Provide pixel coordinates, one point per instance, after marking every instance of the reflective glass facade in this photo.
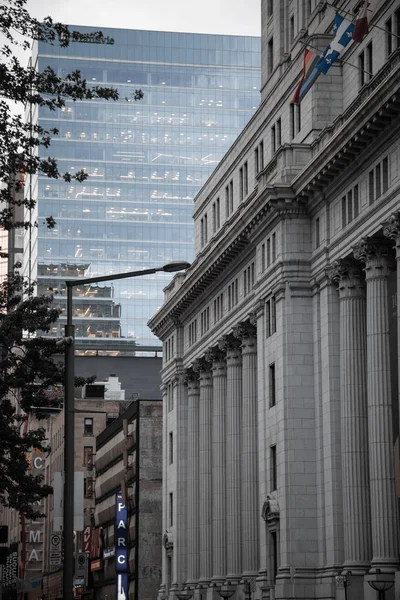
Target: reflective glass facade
(146, 161)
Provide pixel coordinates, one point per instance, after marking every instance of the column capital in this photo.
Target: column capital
(231, 345)
(391, 229)
(377, 256)
(190, 377)
(215, 355)
(178, 378)
(203, 368)
(245, 329)
(350, 277)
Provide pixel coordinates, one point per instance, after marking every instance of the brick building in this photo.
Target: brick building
(280, 372)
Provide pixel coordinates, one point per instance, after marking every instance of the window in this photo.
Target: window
(192, 332)
(261, 155)
(273, 139)
(273, 482)
(205, 229)
(389, 37)
(171, 509)
(88, 426)
(355, 196)
(231, 196)
(88, 487)
(274, 553)
(205, 320)
(270, 56)
(297, 109)
(214, 216)
(369, 61)
(291, 28)
(317, 233)
(171, 448)
(349, 206)
(385, 174)
(262, 258)
(243, 181)
(233, 294)
(361, 68)
(377, 181)
(227, 204)
(218, 307)
(291, 121)
(272, 386)
(397, 28)
(273, 247)
(279, 133)
(371, 187)
(87, 456)
(268, 252)
(270, 7)
(270, 316)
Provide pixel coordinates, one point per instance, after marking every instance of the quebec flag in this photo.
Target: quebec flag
(343, 31)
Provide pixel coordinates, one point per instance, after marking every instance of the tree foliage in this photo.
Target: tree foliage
(21, 140)
(27, 368)
(27, 373)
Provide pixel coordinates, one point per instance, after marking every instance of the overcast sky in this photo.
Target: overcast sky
(234, 17)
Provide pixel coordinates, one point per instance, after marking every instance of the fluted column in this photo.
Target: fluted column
(378, 264)
(233, 454)
(247, 334)
(354, 414)
(205, 468)
(193, 528)
(217, 358)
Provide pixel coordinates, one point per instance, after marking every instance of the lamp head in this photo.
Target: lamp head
(175, 265)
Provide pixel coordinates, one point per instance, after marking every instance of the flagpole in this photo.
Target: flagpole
(371, 25)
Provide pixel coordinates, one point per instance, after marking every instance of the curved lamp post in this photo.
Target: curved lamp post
(184, 594)
(69, 420)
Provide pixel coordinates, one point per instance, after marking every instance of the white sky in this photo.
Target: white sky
(233, 17)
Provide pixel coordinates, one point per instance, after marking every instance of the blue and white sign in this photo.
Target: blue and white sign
(121, 547)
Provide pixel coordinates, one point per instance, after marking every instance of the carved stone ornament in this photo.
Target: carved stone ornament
(213, 355)
(270, 510)
(168, 542)
(190, 376)
(369, 249)
(244, 330)
(201, 364)
(391, 227)
(344, 269)
(229, 343)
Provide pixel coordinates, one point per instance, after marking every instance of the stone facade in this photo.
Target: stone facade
(281, 409)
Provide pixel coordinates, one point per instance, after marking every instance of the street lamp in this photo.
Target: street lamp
(184, 594)
(69, 423)
(226, 591)
(381, 582)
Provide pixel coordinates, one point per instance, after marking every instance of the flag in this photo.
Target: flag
(308, 77)
(343, 31)
(361, 26)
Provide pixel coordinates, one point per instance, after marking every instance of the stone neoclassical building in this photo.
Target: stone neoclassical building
(280, 370)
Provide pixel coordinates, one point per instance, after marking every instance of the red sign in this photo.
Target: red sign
(95, 565)
(87, 538)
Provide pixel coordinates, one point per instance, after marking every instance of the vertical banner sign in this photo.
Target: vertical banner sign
(87, 538)
(121, 547)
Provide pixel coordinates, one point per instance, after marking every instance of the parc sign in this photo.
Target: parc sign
(121, 547)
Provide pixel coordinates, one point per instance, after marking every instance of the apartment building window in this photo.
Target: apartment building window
(272, 386)
(171, 509)
(171, 448)
(273, 467)
(270, 56)
(389, 37)
(88, 426)
(87, 455)
(317, 233)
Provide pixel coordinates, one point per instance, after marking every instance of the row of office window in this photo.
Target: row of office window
(268, 252)
(378, 180)
(248, 279)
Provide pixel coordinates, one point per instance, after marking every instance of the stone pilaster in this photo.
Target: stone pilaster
(377, 257)
(247, 334)
(164, 582)
(193, 516)
(354, 415)
(217, 359)
(205, 468)
(233, 455)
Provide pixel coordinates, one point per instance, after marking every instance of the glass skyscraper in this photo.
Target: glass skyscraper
(146, 161)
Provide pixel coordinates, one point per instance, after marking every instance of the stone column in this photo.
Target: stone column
(377, 257)
(247, 334)
(354, 415)
(217, 358)
(203, 367)
(233, 455)
(164, 583)
(192, 476)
